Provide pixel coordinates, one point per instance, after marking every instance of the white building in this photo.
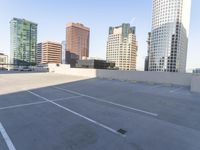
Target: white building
(122, 47)
(169, 38)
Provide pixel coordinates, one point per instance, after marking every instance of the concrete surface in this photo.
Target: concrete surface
(85, 114)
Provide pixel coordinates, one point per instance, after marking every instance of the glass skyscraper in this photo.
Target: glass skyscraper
(23, 42)
(169, 35)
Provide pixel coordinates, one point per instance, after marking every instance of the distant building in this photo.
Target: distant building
(122, 47)
(196, 71)
(3, 61)
(169, 35)
(77, 40)
(23, 41)
(39, 54)
(96, 64)
(146, 64)
(63, 55)
(51, 52)
(3, 58)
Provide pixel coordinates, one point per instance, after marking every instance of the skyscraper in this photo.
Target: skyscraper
(23, 40)
(77, 39)
(51, 52)
(169, 38)
(122, 47)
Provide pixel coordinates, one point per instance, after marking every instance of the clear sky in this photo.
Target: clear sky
(52, 16)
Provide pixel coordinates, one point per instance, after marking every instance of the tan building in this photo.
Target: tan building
(51, 52)
(122, 47)
(77, 39)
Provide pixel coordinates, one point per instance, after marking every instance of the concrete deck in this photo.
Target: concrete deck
(45, 111)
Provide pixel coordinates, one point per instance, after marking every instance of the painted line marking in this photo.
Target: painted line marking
(77, 114)
(6, 138)
(176, 90)
(36, 103)
(66, 98)
(108, 102)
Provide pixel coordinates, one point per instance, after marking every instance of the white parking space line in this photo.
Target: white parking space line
(79, 115)
(108, 102)
(6, 138)
(176, 90)
(37, 103)
(65, 98)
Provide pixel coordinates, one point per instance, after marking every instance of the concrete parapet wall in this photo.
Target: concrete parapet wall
(82, 72)
(182, 79)
(195, 84)
(150, 77)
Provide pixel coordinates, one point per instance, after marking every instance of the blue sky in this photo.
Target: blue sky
(52, 16)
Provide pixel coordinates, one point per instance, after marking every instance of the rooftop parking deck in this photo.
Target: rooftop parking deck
(47, 111)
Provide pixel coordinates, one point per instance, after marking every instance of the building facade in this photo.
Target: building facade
(196, 71)
(63, 55)
(51, 52)
(23, 41)
(169, 36)
(122, 47)
(39, 54)
(146, 63)
(95, 64)
(77, 39)
(3, 61)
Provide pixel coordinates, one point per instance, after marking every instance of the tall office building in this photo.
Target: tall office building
(77, 40)
(23, 41)
(51, 52)
(122, 47)
(63, 55)
(39, 54)
(169, 38)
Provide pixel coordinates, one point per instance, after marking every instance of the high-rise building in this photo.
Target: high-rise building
(23, 41)
(77, 40)
(39, 54)
(63, 55)
(51, 52)
(122, 47)
(146, 63)
(169, 36)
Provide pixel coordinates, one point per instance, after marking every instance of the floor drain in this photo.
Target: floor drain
(122, 131)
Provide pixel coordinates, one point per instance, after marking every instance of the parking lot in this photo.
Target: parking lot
(46, 111)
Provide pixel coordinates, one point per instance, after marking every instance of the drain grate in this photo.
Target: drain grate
(122, 131)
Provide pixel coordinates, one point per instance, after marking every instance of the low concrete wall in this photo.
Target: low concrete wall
(65, 69)
(150, 77)
(58, 68)
(195, 84)
(182, 79)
